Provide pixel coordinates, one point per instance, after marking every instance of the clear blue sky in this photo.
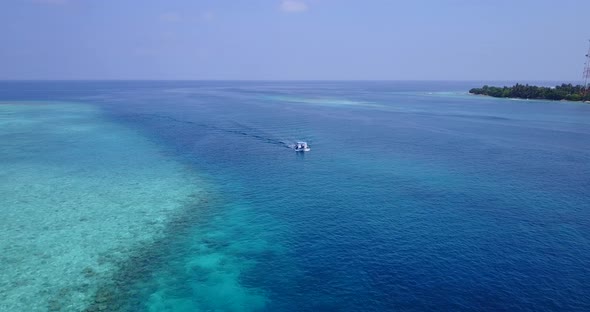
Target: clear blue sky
(294, 39)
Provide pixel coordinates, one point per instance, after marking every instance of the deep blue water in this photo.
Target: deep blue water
(415, 196)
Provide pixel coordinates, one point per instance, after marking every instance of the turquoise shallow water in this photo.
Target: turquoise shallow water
(185, 196)
(78, 194)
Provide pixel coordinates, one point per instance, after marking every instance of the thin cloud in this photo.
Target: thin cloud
(174, 17)
(51, 2)
(293, 6)
(207, 16)
(170, 17)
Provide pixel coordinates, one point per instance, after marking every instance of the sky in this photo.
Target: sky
(294, 39)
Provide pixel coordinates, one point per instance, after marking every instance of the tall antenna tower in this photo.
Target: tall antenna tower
(586, 74)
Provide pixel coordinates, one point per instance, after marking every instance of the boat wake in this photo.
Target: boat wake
(236, 129)
(258, 134)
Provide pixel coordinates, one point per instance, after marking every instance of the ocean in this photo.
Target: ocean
(188, 196)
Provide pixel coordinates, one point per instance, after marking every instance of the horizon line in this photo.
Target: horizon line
(285, 80)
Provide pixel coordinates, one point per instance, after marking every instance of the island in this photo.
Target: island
(564, 91)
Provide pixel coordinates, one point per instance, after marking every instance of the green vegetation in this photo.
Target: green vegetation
(563, 92)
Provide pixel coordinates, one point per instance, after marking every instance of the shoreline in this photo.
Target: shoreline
(523, 99)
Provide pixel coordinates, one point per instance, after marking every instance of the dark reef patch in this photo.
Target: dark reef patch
(120, 292)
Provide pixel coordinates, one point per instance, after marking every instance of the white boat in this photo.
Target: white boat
(302, 147)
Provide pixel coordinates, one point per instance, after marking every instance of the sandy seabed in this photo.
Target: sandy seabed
(78, 194)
